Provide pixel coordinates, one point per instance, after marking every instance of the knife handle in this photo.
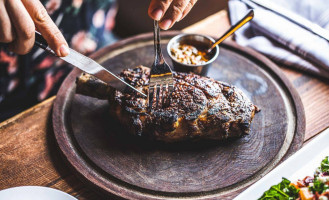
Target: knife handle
(42, 43)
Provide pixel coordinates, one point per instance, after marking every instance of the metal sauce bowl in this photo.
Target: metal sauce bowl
(201, 42)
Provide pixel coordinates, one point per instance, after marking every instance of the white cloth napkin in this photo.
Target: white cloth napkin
(282, 40)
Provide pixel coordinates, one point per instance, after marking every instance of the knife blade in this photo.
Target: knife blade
(89, 66)
(295, 18)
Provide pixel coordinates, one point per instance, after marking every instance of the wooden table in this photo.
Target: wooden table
(28, 151)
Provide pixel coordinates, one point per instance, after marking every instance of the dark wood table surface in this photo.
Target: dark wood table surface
(28, 151)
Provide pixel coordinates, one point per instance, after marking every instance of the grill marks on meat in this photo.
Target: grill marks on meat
(199, 107)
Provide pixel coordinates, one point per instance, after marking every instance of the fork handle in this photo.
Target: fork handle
(157, 45)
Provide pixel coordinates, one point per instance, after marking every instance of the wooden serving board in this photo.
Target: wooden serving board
(104, 156)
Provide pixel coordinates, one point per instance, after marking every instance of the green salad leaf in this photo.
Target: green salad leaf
(281, 191)
(325, 165)
(319, 187)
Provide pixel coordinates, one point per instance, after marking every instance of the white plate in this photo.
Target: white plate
(303, 163)
(34, 193)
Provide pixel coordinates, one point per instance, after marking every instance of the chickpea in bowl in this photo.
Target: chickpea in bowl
(188, 53)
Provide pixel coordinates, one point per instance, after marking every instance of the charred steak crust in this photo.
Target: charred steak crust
(199, 107)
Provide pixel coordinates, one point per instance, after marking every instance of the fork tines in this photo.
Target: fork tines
(160, 91)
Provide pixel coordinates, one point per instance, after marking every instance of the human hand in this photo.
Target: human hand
(169, 11)
(18, 21)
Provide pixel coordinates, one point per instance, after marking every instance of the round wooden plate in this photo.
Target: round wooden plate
(104, 156)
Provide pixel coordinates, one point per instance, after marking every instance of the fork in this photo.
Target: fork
(161, 80)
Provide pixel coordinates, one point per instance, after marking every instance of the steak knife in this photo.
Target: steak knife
(89, 66)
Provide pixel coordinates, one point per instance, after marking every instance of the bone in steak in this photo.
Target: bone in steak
(199, 107)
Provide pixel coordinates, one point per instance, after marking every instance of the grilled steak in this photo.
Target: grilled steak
(199, 107)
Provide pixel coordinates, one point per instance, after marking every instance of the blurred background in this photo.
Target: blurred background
(127, 24)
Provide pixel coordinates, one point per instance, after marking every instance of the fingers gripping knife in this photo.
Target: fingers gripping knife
(89, 66)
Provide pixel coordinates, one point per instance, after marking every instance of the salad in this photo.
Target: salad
(310, 188)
